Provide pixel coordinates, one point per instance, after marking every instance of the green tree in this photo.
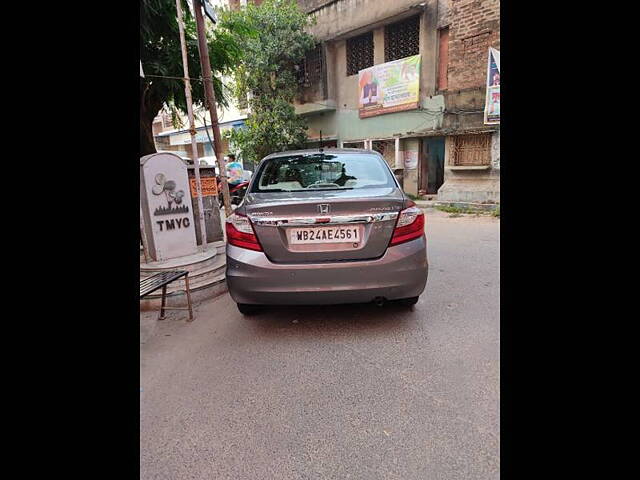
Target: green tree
(267, 76)
(161, 56)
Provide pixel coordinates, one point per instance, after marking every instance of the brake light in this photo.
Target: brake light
(240, 233)
(410, 225)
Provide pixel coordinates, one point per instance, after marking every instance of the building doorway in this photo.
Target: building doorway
(432, 165)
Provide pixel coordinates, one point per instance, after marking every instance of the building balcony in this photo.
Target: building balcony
(318, 106)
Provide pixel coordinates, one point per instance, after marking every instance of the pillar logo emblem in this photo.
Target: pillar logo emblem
(173, 197)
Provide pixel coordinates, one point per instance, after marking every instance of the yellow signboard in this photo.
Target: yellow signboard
(389, 87)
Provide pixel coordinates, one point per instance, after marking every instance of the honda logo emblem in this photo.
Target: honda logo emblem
(323, 208)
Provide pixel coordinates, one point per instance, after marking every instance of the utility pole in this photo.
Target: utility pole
(211, 101)
(192, 128)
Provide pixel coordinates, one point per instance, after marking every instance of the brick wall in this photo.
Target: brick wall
(474, 27)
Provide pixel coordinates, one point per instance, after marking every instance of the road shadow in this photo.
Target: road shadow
(335, 320)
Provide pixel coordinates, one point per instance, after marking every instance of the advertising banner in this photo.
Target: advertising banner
(389, 87)
(492, 102)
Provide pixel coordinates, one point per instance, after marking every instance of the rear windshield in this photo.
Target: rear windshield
(322, 171)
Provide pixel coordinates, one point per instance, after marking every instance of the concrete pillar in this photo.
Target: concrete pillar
(330, 63)
(448, 149)
(411, 149)
(378, 46)
(428, 49)
(495, 151)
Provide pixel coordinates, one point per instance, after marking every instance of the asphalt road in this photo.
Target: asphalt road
(340, 392)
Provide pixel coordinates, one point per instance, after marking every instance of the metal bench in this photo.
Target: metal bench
(161, 280)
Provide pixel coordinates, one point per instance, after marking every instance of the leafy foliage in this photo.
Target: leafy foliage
(267, 76)
(161, 56)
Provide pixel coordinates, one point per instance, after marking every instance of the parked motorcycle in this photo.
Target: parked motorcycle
(236, 193)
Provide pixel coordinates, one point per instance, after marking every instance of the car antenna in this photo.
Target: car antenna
(321, 149)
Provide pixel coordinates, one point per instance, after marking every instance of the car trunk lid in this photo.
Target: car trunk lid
(362, 220)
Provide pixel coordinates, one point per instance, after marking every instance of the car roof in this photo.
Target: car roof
(311, 151)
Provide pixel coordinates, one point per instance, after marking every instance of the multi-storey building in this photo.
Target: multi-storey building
(437, 140)
(178, 140)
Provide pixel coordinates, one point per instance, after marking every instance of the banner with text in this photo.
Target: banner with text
(492, 103)
(389, 87)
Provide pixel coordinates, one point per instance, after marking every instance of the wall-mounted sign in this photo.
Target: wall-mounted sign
(492, 102)
(209, 186)
(185, 139)
(200, 138)
(389, 87)
(167, 188)
(410, 160)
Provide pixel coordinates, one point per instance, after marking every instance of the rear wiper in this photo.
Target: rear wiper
(276, 190)
(324, 189)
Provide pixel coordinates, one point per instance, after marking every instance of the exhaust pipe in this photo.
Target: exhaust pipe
(379, 301)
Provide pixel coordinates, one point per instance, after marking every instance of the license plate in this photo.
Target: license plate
(338, 234)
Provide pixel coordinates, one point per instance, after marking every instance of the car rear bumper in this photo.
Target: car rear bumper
(400, 273)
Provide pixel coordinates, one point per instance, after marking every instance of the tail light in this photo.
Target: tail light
(410, 225)
(240, 233)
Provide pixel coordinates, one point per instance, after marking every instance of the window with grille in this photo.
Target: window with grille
(472, 150)
(386, 148)
(311, 70)
(359, 53)
(402, 39)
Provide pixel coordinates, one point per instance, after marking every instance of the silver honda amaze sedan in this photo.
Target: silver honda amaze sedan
(325, 227)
